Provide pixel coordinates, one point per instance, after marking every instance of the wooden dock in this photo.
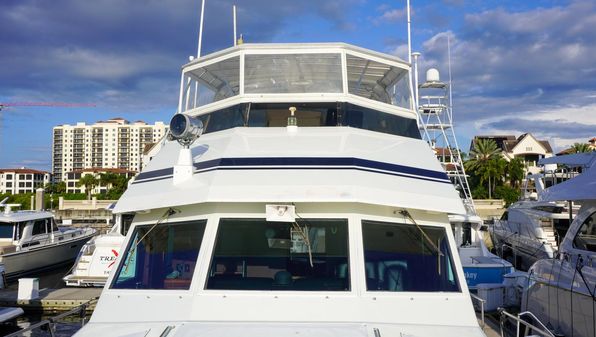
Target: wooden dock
(52, 300)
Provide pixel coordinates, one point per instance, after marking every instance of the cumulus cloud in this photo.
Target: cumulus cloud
(533, 65)
(95, 49)
(391, 15)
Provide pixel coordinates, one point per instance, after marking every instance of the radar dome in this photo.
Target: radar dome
(432, 75)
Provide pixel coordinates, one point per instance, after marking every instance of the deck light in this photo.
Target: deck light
(185, 129)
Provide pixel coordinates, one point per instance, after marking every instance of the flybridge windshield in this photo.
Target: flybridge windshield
(310, 114)
(295, 74)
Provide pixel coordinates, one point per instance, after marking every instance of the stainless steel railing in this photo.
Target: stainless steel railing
(542, 330)
(481, 301)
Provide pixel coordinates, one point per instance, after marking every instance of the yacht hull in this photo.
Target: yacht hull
(46, 257)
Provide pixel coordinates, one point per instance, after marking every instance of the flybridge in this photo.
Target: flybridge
(324, 72)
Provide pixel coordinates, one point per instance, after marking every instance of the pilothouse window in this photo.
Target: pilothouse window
(253, 254)
(6, 229)
(161, 257)
(310, 114)
(405, 257)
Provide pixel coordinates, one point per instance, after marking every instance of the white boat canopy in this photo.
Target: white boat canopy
(573, 160)
(582, 187)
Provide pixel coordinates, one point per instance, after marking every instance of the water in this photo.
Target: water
(64, 328)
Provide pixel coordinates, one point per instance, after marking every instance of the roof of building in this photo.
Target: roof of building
(508, 142)
(22, 170)
(442, 151)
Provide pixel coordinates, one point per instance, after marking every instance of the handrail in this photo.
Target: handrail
(543, 330)
(482, 301)
(51, 322)
(514, 251)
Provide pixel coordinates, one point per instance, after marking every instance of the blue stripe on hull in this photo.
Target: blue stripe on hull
(301, 163)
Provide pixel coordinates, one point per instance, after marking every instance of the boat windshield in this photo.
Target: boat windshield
(404, 257)
(310, 114)
(161, 256)
(254, 254)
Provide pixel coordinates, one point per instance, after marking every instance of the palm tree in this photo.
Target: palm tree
(515, 172)
(580, 148)
(481, 163)
(108, 179)
(89, 181)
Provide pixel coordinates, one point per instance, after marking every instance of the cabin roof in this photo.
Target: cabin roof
(350, 165)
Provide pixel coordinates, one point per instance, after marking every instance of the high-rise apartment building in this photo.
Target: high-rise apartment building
(115, 143)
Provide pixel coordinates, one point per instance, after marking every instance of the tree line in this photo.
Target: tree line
(118, 184)
(491, 176)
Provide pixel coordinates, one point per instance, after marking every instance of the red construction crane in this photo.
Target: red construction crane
(47, 104)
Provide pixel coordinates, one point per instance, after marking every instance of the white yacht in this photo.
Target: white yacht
(533, 229)
(98, 256)
(309, 206)
(561, 291)
(30, 241)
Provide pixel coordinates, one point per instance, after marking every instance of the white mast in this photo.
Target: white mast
(199, 48)
(201, 28)
(234, 12)
(409, 33)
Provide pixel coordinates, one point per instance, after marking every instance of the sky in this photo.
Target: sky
(517, 66)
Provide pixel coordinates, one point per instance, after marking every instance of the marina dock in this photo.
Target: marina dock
(52, 300)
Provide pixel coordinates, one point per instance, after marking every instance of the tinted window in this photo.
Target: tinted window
(224, 119)
(39, 227)
(400, 257)
(160, 257)
(253, 254)
(6, 230)
(373, 120)
(586, 237)
(310, 114)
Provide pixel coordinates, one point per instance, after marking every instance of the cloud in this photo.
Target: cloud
(522, 71)
(391, 15)
(545, 127)
(107, 49)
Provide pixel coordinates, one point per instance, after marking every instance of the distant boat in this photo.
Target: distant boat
(30, 241)
(98, 256)
(533, 228)
(562, 291)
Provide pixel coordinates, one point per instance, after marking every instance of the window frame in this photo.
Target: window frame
(129, 241)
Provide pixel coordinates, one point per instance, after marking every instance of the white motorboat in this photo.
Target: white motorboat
(30, 241)
(310, 206)
(98, 256)
(561, 291)
(532, 229)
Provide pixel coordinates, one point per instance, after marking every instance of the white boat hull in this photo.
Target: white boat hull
(24, 262)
